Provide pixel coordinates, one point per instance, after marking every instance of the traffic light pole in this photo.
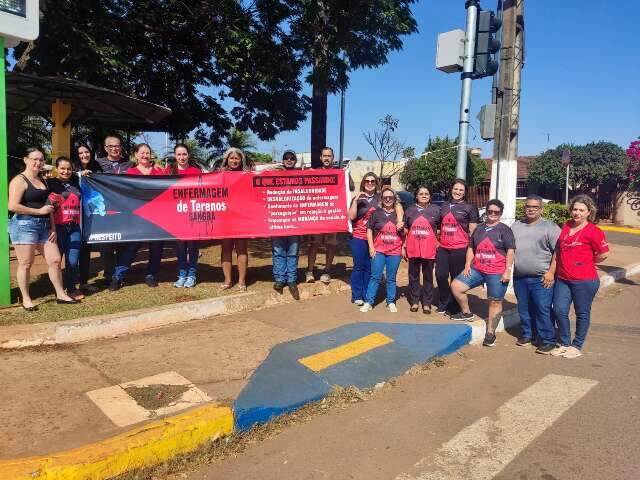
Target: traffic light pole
(472, 7)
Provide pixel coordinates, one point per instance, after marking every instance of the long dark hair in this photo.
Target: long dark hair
(93, 165)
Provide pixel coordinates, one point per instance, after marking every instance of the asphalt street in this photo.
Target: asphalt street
(503, 413)
(621, 238)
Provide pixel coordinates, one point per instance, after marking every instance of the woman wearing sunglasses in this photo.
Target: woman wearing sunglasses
(421, 222)
(385, 239)
(489, 260)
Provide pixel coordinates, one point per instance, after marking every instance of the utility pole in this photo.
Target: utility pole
(472, 7)
(504, 176)
(341, 157)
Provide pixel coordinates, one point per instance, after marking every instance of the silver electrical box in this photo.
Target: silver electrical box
(450, 52)
(487, 117)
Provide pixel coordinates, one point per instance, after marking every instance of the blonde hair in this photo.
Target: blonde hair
(246, 165)
(588, 202)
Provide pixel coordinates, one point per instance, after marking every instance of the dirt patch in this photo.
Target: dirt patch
(184, 298)
(154, 397)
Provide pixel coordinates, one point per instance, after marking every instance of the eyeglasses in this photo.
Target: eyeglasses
(112, 147)
(386, 197)
(494, 212)
(532, 207)
(370, 181)
(290, 158)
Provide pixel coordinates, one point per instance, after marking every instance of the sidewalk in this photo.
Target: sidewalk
(62, 397)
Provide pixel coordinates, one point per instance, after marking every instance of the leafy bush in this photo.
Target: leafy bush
(556, 212)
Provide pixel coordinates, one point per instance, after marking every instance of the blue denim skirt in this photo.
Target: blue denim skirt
(29, 230)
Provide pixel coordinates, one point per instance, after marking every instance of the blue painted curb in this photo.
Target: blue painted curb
(281, 384)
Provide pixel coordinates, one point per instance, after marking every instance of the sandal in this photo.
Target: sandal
(413, 308)
(242, 288)
(77, 295)
(224, 286)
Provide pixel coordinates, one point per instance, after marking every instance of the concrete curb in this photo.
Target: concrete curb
(108, 326)
(510, 317)
(144, 446)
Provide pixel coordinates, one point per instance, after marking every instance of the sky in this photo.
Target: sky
(580, 83)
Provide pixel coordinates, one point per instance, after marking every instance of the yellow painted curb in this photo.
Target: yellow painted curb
(620, 229)
(144, 446)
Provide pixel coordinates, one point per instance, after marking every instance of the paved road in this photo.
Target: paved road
(503, 413)
(621, 238)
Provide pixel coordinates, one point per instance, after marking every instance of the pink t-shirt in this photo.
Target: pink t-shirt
(366, 207)
(454, 224)
(386, 238)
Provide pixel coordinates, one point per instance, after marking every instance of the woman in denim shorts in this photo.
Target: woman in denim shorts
(32, 227)
(489, 260)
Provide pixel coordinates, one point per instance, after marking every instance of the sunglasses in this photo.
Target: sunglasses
(386, 197)
(369, 181)
(494, 212)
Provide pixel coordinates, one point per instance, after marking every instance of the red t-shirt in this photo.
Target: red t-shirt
(422, 224)
(454, 224)
(366, 207)
(190, 170)
(576, 253)
(386, 238)
(66, 195)
(154, 171)
(490, 245)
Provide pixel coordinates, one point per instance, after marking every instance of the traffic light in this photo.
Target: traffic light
(485, 64)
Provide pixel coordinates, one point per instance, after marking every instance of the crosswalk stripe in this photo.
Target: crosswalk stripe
(482, 450)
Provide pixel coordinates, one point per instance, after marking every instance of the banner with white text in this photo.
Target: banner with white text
(128, 208)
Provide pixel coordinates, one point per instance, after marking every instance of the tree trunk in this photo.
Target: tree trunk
(320, 82)
(318, 123)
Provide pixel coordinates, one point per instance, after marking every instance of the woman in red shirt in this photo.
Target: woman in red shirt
(458, 220)
(144, 166)
(421, 223)
(187, 252)
(580, 246)
(384, 236)
(234, 160)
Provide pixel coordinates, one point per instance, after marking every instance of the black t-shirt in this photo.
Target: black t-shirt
(490, 245)
(386, 238)
(431, 213)
(454, 223)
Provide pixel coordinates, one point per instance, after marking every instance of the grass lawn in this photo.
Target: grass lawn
(135, 294)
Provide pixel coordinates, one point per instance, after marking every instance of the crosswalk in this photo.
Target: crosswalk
(483, 449)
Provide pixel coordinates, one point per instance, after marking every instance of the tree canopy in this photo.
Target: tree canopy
(592, 165)
(633, 172)
(215, 64)
(436, 167)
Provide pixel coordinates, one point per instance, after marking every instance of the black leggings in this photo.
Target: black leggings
(448, 263)
(417, 293)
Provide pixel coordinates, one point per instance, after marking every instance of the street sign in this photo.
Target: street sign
(19, 20)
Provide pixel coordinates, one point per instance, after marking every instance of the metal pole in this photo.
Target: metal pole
(472, 7)
(5, 277)
(566, 187)
(342, 95)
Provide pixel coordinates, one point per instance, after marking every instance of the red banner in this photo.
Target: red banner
(215, 205)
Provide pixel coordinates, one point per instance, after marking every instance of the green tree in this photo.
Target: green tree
(597, 164)
(436, 167)
(215, 64)
(333, 37)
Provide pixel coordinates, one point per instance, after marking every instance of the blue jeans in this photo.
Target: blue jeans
(285, 258)
(534, 308)
(361, 271)
(581, 293)
(187, 255)
(379, 263)
(69, 242)
(128, 254)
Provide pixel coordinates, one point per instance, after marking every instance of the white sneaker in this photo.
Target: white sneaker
(359, 303)
(366, 308)
(392, 308)
(559, 351)
(309, 278)
(325, 278)
(572, 352)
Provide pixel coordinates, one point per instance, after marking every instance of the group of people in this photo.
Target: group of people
(47, 219)
(554, 267)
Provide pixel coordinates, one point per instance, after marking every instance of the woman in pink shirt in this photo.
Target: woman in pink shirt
(186, 251)
(144, 166)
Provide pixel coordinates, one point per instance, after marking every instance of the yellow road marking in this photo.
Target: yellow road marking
(144, 446)
(325, 359)
(620, 229)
